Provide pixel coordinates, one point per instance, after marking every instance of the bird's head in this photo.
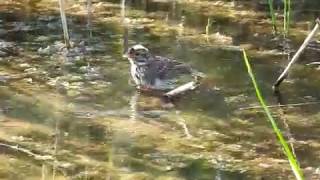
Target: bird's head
(138, 54)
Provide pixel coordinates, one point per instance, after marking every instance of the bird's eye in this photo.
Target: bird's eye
(131, 51)
(137, 54)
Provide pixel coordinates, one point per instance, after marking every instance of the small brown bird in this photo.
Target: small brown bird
(150, 72)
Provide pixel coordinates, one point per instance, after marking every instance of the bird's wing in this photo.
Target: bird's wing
(167, 67)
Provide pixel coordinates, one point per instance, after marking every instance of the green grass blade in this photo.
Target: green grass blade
(273, 16)
(287, 151)
(286, 16)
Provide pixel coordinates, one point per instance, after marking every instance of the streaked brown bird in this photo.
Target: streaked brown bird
(151, 72)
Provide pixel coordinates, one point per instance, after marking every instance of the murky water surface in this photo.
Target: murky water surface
(75, 116)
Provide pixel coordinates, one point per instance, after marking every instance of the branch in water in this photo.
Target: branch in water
(181, 89)
(283, 105)
(296, 56)
(27, 152)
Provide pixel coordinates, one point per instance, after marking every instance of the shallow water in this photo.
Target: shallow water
(82, 114)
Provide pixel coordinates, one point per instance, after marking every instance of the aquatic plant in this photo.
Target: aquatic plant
(208, 26)
(287, 151)
(64, 23)
(123, 9)
(286, 16)
(89, 17)
(273, 16)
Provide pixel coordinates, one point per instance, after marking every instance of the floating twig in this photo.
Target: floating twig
(314, 63)
(296, 56)
(181, 89)
(47, 159)
(281, 105)
(27, 152)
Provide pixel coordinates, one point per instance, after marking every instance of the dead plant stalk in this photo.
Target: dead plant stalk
(296, 56)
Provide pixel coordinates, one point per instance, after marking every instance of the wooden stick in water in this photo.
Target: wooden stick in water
(181, 89)
(64, 24)
(296, 56)
(27, 152)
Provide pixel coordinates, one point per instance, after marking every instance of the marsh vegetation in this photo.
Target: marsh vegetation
(67, 110)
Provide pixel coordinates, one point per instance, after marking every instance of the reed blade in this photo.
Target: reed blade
(273, 16)
(287, 150)
(286, 16)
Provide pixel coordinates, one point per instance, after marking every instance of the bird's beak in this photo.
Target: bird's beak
(125, 55)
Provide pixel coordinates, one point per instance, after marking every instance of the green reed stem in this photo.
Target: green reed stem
(287, 151)
(273, 16)
(285, 10)
(286, 16)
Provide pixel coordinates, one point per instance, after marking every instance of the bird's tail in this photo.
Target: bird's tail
(196, 73)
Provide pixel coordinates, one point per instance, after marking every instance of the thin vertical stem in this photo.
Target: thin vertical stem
(134, 106)
(208, 26)
(123, 9)
(273, 16)
(208, 29)
(125, 40)
(64, 23)
(43, 172)
(89, 20)
(286, 16)
(55, 149)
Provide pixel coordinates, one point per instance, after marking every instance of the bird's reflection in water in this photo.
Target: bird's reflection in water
(133, 106)
(150, 106)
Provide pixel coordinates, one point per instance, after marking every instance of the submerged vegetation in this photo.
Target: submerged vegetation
(68, 112)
